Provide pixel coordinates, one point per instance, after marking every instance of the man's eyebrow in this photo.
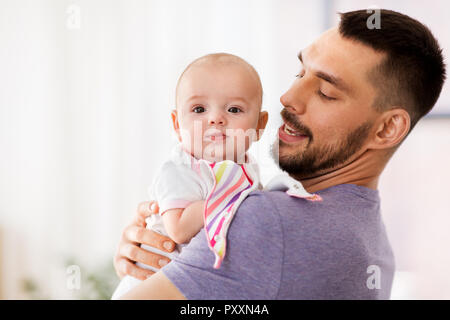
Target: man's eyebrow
(335, 81)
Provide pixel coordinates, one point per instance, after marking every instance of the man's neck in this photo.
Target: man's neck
(364, 171)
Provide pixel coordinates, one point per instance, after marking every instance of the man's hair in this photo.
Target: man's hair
(412, 74)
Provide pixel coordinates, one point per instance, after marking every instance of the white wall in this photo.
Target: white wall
(415, 205)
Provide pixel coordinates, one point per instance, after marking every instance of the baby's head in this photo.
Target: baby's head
(218, 108)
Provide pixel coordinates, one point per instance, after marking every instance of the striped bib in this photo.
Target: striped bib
(232, 184)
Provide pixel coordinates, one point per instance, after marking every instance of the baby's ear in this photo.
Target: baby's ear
(176, 125)
(262, 122)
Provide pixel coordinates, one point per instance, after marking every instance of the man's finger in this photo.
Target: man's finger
(135, 253)
(128, 268)
(149, 237)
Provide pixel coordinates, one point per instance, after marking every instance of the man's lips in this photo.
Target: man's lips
(288, 134)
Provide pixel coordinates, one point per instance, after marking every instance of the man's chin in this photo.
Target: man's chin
(288, 158)
(295, 171)
(290, 151)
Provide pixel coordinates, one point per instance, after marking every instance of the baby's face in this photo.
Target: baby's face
(218, 111)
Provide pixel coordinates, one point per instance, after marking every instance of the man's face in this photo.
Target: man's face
(328, 113)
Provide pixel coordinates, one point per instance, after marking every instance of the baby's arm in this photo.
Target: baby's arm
(183, 224)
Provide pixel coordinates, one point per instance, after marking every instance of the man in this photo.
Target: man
(359, 93)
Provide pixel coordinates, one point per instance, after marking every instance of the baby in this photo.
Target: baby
(218, 116)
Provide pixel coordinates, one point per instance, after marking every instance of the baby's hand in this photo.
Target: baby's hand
(135, 234)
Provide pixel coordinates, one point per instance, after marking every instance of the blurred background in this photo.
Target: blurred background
(86, 89)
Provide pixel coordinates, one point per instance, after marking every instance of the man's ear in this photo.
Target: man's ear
(262, 122)
(392, 127)
(175, 123)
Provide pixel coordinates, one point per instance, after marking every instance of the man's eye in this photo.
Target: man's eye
(198, 109)
(324, 96)
(234, 110)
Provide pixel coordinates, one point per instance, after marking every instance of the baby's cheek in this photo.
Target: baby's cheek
(241, 143)
(186, 139)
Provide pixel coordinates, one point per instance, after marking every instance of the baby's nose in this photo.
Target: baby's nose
(217, 119)
(212, 121)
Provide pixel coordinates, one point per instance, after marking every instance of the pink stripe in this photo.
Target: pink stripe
(218, 201)
(213, 241)
(219, 214)
(248, 178)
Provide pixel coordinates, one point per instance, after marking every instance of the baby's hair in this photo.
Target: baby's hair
(222, 58)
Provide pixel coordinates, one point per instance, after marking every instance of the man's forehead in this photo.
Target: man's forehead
(331, 45)
(344, 58)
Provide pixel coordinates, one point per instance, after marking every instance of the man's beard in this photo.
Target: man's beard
(315, 160)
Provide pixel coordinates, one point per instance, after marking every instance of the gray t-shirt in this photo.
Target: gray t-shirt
(282, 247)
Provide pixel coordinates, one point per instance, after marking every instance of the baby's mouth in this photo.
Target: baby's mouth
(215, 136)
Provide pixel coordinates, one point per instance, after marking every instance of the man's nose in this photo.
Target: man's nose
(296, 97)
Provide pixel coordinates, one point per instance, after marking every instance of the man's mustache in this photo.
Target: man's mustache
(293, 122)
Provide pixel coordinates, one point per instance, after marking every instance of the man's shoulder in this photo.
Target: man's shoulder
(268, 205)
(265, 214)
(331, 243)
(258, 212)
(339, 197)
(281, 247)
(343, 211)
(265, 210)
(264, 207)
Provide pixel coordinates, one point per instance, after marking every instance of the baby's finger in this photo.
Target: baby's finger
(154, 207)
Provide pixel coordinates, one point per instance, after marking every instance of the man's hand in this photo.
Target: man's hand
(129, 250)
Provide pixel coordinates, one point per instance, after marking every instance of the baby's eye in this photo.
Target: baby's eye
(234, 110)
(198, 109)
